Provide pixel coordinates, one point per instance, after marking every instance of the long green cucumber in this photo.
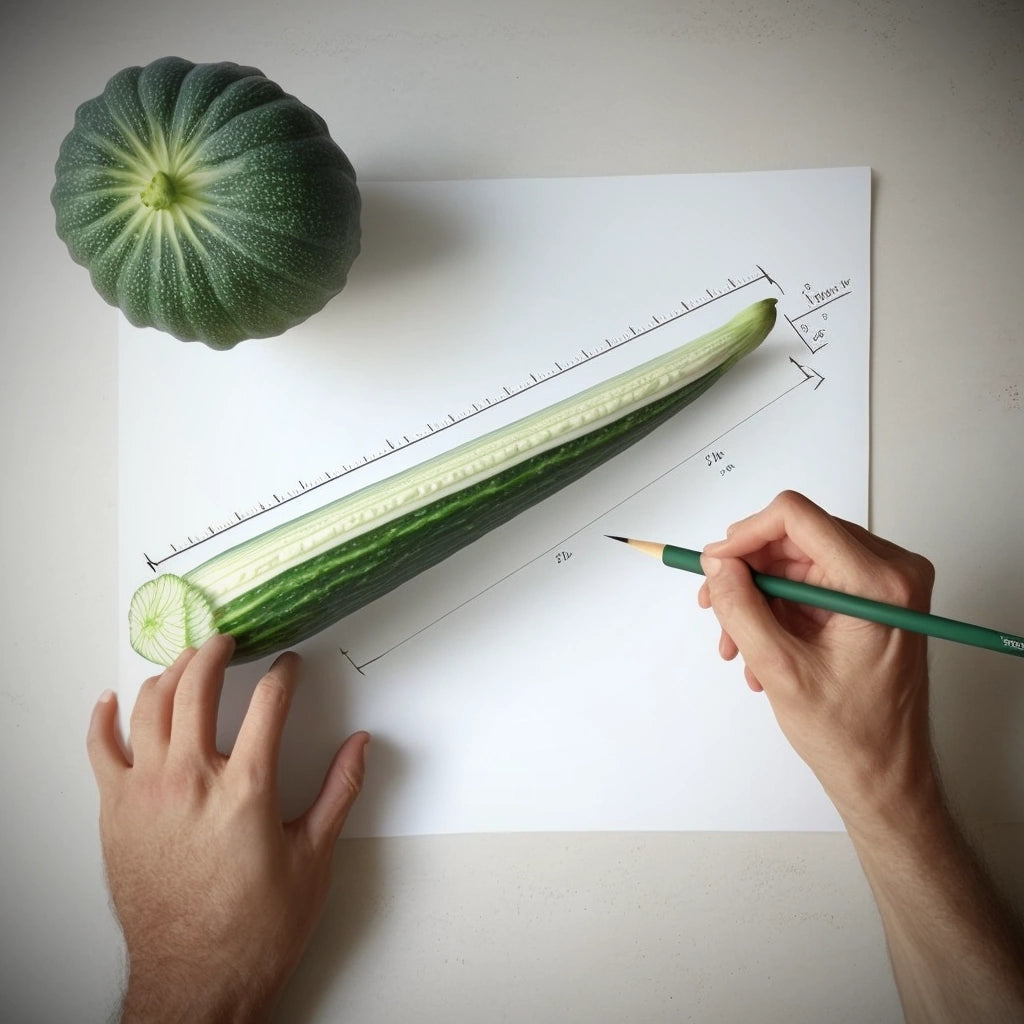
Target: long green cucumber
(299, 578)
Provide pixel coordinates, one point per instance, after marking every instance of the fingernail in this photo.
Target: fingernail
(710, 565)
(106, 696)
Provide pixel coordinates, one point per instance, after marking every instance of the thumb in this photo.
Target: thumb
(342, 784)
(743, 613)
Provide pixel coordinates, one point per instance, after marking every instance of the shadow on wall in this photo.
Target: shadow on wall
(408, 242)
(401, 236)
(978, 706)
(353, 908)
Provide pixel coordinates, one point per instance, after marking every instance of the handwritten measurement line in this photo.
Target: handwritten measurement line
(827, 302)
(432, 430)
(800, 332)
(808, 375)
(769, 279)
(586, 526)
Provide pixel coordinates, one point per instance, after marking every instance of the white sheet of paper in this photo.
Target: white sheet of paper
(544, 677)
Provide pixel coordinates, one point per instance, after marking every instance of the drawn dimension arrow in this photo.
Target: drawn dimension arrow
(809, 373)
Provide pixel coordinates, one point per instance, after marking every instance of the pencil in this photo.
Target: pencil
(846, 604)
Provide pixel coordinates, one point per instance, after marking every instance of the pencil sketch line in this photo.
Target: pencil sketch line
(629, 497)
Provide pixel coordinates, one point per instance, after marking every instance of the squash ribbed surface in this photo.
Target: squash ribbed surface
(207, 202)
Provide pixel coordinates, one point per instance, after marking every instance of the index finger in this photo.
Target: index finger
(794, 528)
(258, 745)
(197, 698)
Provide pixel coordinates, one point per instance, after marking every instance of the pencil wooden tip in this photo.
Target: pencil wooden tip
(624, 540)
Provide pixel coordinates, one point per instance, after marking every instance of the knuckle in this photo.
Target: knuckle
(789, 501)
(142, 711)
(177, 785)
(777, 662)
(925, 573)
(252, 781)
(271, 695)
(721, 598)
(353, 779)
(900, 585)
(186, 785)
(186, 698)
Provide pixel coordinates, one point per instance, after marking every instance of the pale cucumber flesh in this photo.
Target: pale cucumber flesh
(276, 609)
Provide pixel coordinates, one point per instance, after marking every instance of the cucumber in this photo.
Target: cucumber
(299, 578)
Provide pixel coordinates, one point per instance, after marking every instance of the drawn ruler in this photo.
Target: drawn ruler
(710, 294)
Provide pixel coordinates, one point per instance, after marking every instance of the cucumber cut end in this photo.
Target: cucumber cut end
(167, 615)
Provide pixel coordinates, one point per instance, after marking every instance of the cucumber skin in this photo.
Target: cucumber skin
(310, 597)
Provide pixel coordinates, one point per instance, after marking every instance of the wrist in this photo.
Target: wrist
(162, 995)
(903, 813)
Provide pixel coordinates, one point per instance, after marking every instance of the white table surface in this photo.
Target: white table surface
(544, 927)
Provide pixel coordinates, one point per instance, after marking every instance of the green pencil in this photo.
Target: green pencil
(846, 604)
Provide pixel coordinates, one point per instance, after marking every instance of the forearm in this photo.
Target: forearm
(955, 947)
(852, 698)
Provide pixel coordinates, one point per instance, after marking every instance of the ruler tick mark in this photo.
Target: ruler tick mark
(560, 367)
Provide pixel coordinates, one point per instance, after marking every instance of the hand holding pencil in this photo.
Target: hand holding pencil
(850, 695)
(801, 592)
(793, 539)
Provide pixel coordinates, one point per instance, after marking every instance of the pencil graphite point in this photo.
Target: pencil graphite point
(625, 540)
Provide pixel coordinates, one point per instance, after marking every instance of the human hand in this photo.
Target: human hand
(851, 696)
(217, 897)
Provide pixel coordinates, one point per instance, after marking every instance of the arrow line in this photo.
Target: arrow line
(586, 526)
(809, 373)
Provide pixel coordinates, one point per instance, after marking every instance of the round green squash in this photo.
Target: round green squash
(206, 202)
